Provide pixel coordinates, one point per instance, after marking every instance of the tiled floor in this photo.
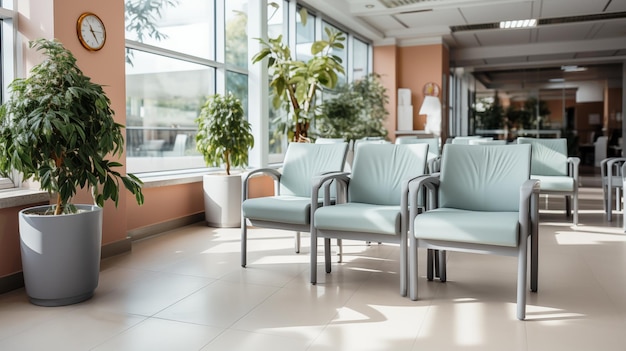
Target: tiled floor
(185, 290)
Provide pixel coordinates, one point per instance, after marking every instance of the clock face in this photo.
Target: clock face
(91, 31)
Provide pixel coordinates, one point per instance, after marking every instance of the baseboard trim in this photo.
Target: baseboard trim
(159, 228)
(116, 248)
(11, 282)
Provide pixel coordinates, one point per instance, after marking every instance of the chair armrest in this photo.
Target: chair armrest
(324, 180)
(529, 205)
(434, 165)
(573, 165)
(429, 183)
(274, 173)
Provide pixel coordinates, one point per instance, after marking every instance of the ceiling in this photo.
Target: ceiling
(587, 33)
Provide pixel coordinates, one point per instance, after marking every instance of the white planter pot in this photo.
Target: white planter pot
(222, 200)
(60, 254)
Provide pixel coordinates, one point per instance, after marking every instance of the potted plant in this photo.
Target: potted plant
(224, 138)
(57, 127)
(294, 83)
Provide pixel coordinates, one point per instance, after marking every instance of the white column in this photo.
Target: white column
(258, 90)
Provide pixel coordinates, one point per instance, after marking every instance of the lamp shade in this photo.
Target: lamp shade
(430, 105)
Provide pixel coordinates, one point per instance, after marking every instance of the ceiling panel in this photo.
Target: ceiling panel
(561, 8)
(495, 13)
(553, 57)
(504, 37)
(564, 32)
(465, 39)
(432, 18)
(499, 61)
(384, 23)
(598, 54)
(617, 6)
(611, 29)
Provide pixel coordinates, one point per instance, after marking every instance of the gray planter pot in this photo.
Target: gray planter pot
(60, 254)
(222, 200)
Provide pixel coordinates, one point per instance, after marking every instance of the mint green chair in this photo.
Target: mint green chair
(482, 201)
(433, 150)
(371, 201)
(294, 199)
(486, 141)
(610, 171)
(557, 172)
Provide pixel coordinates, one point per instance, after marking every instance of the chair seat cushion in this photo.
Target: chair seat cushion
(449, 224)
(555, 183)
(359, 217)
(284, 209)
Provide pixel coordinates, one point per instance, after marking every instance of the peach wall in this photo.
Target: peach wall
(385, 58)
(10, 259)
(418, 65)
(412, 67)
(163, 204)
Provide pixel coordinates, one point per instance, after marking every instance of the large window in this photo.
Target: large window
(178, 53)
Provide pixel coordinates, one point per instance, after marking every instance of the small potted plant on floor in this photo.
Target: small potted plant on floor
(224, 139)
(56, 128)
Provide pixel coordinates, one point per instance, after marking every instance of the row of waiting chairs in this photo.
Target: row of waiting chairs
(379, 200)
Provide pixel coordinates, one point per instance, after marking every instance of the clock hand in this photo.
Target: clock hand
(92, 32)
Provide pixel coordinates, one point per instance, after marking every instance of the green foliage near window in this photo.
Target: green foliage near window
(357, 111)
(224, 135)
(530, 116)
(141, 16)
(294, 83)
(57, 127)
(491, 116)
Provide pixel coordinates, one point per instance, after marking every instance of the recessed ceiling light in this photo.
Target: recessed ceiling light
(369, 6)
(525, 23)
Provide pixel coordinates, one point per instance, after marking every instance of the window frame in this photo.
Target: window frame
(8, 66)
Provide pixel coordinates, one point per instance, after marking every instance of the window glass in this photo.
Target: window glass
(185, 26)
(236, 44)
(360, 59)
(277, 17)
(305, 36)
(237, 84)
(163, 97)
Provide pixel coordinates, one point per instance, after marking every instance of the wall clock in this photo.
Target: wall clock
(91, 31)
(431, 89)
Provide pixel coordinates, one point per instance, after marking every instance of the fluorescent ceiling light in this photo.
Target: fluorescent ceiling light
(556, 80)
(526, 23)
(573, 68)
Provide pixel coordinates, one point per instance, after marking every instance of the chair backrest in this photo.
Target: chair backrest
(600, 149)
(379, 171)
(549, 156)
(483, 177)
(483, 141)
(433, 144)
(465, 139)
(303, 161)
(329, 140)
